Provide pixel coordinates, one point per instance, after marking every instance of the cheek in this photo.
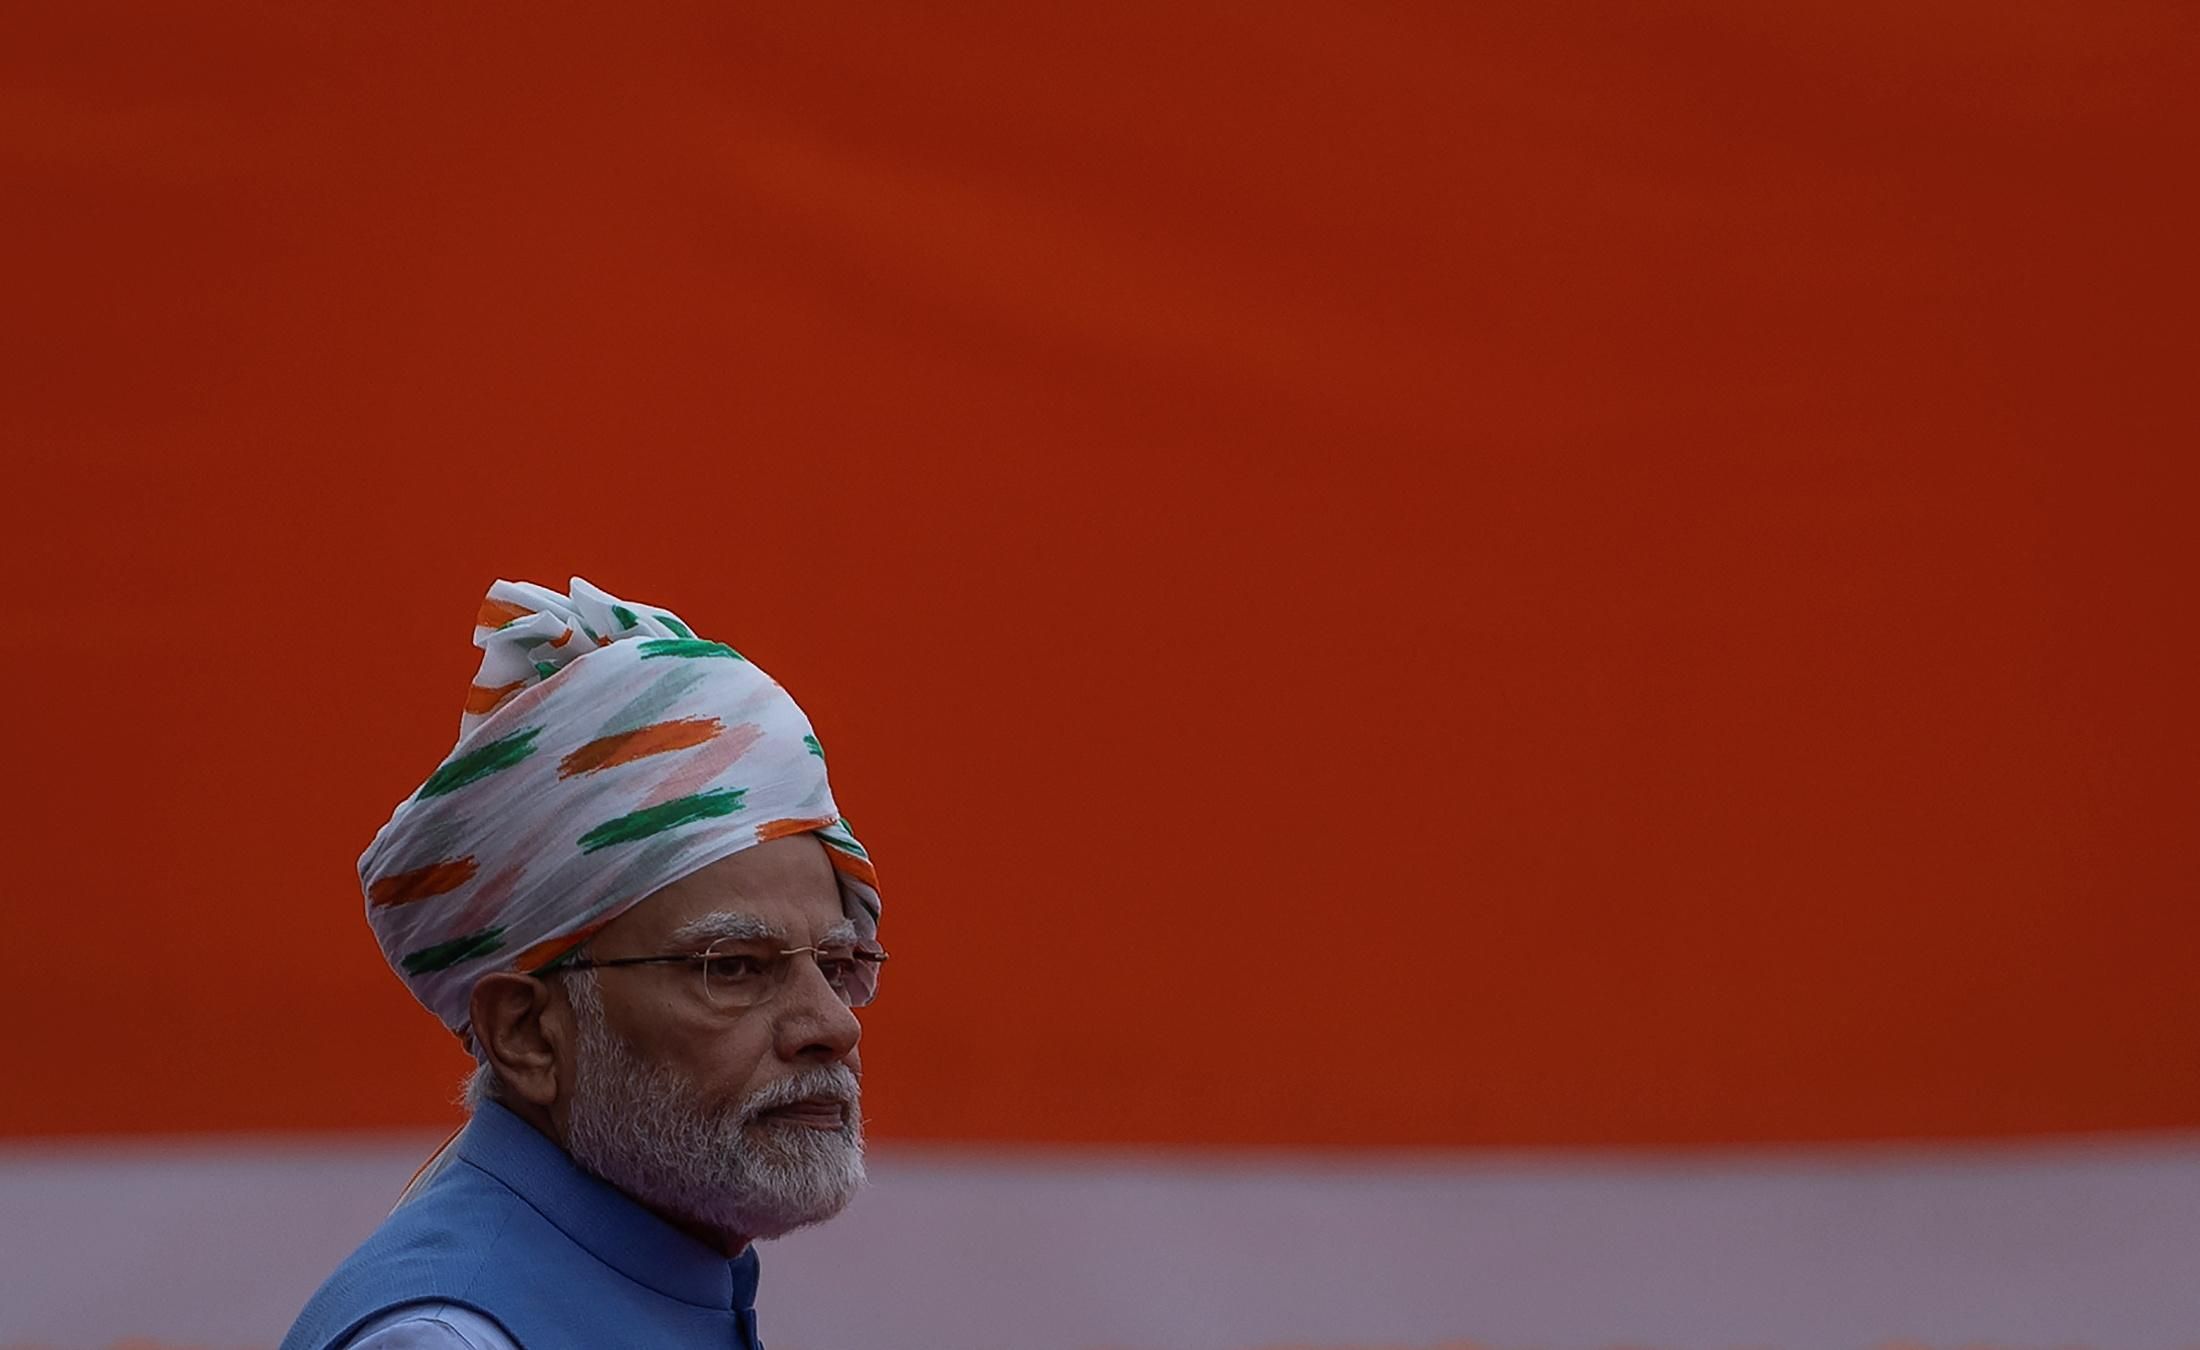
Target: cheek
(725, 1062)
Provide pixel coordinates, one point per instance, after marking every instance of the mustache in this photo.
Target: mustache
(836, 1082)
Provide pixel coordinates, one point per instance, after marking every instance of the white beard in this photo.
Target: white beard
(643, 1128)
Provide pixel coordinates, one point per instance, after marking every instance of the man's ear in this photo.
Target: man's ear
(523, 1030)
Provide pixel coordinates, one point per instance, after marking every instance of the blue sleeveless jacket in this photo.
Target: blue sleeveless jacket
(513, 1229)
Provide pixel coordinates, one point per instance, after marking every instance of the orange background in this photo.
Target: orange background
(1435, 575)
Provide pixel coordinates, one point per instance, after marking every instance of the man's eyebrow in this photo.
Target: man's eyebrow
(727, 926)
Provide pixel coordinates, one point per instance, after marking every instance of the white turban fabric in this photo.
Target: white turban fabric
(605, 752)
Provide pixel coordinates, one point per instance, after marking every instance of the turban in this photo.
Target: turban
(605, 752)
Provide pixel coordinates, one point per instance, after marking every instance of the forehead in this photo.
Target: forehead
(787, 883)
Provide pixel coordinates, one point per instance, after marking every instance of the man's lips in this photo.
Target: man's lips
(819, 1113)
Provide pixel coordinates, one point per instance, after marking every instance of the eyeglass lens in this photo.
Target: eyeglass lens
(742, 976)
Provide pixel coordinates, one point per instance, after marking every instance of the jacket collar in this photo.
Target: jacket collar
(603, 1220)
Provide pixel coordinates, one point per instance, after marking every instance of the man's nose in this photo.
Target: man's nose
(813, 1021)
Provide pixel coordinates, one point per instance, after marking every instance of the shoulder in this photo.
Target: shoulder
(431, 1326)
(433, 1244)
(431, 1251)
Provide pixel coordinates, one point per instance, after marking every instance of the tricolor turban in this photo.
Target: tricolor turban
(605, 752)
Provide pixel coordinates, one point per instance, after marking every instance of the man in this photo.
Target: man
(629, 892)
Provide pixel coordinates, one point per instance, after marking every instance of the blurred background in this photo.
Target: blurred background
(1518, 672)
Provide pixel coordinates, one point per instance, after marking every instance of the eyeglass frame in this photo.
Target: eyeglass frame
(874, 956)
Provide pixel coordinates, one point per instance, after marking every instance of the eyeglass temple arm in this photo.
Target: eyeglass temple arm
(876, 957)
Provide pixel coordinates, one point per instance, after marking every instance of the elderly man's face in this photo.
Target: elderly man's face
(691, 1106)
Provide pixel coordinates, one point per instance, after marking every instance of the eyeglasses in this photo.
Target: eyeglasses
(737, 974)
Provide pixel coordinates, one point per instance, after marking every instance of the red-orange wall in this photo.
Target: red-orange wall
(1424, 574)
